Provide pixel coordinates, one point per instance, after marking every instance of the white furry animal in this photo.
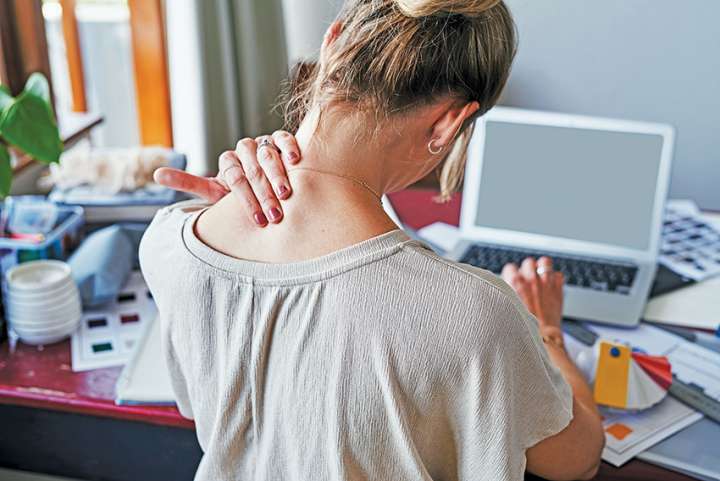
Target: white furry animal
(112, 170)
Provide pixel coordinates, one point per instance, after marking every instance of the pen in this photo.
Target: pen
(708, 341)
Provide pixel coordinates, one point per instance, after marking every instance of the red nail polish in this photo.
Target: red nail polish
(260, 219)
(294, 157)
(274, 214)
(283, 191)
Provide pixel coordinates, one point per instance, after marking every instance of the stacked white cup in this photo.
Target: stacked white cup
(42, 302)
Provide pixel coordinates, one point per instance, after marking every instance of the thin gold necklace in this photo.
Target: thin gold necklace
(357, 181)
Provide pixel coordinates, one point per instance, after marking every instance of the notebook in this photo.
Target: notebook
(145, 379)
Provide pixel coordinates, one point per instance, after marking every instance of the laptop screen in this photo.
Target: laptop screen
(581, 184)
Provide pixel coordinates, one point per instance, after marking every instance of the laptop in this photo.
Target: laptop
(587, 192)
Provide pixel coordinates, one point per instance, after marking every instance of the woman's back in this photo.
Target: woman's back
(378, 361)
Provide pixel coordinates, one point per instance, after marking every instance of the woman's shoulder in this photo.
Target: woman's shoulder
(163, 239)
(170, 219)
(462, 279)
(468, 297)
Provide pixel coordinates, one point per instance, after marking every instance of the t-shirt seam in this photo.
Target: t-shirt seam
(320, 276)
(455, 267)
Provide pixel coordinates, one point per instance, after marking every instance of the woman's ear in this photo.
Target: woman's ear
(446, 128)
(332, 33)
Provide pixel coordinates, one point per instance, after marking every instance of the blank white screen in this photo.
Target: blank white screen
(580, 184)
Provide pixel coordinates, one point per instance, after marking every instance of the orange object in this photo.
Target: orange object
(619, 431)
(151, 73)
(611, 379)
(74, 55)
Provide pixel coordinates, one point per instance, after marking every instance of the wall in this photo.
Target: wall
(652, 60)
(655, 60)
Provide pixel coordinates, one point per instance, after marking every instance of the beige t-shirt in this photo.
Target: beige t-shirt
(381, 361)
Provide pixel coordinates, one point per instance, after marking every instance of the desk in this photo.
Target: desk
(59, 422)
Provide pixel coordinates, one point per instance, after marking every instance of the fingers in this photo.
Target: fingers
(528, 268)
(233, 174)
(248, 152)
(550, 277)
(512, 275)
(202, 187)
(272, 166)
(287, 144)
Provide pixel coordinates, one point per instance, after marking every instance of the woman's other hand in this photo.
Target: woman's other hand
(539, 287)
(254, 172)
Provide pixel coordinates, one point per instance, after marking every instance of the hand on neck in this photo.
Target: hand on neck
(325, 213)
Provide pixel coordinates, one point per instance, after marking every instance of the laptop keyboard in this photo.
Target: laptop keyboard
(589, 273)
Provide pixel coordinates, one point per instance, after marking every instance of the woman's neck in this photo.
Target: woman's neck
(335, 148)
(330, 207)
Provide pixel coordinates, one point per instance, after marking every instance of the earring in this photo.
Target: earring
(434, 151)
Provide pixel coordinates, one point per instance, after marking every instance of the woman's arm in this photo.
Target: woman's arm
(575, 452)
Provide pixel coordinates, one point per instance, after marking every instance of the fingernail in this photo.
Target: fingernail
(283, 191)
(274, 214)
(260, 219)
(294, 157)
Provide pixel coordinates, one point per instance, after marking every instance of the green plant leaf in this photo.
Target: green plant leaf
(38, 84)
(6, 98)
(5, 171)
(28, 124)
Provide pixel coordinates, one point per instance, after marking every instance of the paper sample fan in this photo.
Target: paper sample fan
(630, 380)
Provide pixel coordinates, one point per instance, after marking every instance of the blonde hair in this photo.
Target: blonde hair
(393, 55)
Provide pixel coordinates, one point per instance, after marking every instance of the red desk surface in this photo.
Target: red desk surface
(43, 378)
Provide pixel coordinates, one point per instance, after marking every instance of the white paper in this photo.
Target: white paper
(696, 306)
(441, 234)
(647, 428)
(650, 339)
(146, 379)
(119, 326)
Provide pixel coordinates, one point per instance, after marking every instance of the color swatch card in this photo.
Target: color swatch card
(629, 380)
(108, 336)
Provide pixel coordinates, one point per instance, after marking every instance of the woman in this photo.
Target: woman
(330, 345)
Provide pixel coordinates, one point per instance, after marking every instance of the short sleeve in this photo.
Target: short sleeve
(512, 398)
(159, 254)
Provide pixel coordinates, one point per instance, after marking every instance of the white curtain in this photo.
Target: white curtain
(305, 25)
(227, 59)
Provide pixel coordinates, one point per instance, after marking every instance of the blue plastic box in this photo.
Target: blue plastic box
(58, 244)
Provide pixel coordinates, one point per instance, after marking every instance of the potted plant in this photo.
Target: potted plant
(27, 124)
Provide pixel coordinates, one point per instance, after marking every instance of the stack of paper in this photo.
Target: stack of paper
(628, 434)
(145, 379)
